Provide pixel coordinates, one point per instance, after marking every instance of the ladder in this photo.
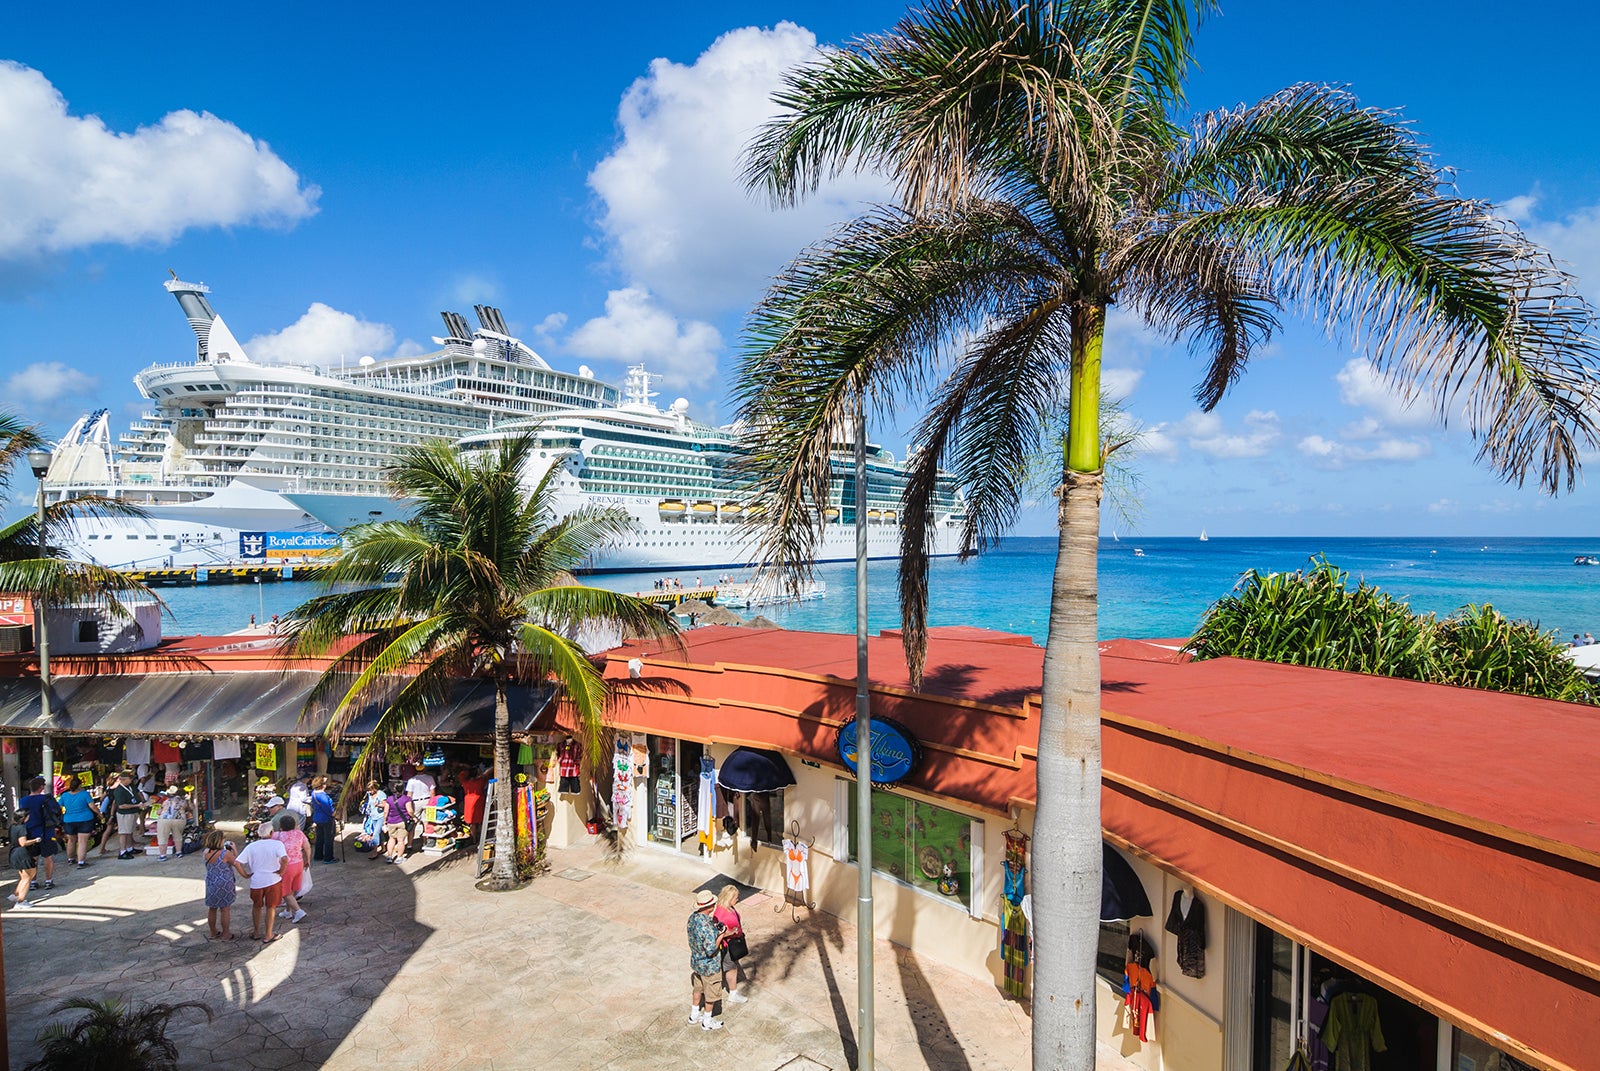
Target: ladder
(491, 818)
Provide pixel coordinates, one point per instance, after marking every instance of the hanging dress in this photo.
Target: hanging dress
(707, 809)
(796, 871)
(622, 787)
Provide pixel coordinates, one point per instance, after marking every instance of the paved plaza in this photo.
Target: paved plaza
(409, 967)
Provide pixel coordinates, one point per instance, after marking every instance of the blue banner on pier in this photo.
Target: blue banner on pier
(265, 546)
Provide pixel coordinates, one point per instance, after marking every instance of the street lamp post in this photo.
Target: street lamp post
(39, 461)
(866, 1026)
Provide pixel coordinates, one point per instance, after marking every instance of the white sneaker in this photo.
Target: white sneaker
(283, 913)
(709, 1023)
(298, 915)
(24, 903)
(738, 998)
(695, 1014)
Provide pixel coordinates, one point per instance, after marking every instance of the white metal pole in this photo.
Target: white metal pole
(864, 969)
(47, 758)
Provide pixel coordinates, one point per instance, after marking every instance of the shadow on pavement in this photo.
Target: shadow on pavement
(135, 931)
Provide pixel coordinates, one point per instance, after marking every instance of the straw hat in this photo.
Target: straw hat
(706, 899)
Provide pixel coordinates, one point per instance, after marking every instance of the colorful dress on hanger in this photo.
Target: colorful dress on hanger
(796, 870)
(1353, 1032)
(1141, 1000)
(1014, 949)
(622, 787)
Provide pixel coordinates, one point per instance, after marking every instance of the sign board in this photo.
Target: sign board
(266, 757)
(57, 767)
(894, 750)
(269, 546)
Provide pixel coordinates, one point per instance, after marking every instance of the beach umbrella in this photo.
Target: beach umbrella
(759, 621)
(717, 615)
(692, 606)
(749, 769)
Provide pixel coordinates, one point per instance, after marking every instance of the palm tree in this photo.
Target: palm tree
(1045, 173)
(111, 1034)
(477, 583)
(48, 577)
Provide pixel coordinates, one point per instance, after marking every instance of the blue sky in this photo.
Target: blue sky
(339, 179)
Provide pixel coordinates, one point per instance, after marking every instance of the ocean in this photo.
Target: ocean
(1162, 593)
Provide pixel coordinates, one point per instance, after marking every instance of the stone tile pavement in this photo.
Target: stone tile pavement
(409, 968)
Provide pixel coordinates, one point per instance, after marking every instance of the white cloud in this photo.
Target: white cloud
(68, 181)
(546, 330)
(50, 389)
(1333, 454)
(1205, 433)
(677, 219)
(322, 336)
(636, 328)
(1363, 386)
(1116, 384)
(1574, 239)
(1443, 505)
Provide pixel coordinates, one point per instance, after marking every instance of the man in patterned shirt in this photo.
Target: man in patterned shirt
(705, 964)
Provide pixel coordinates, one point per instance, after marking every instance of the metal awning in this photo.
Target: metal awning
(254, 703)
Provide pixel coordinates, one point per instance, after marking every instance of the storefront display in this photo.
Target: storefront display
(927, 847)
(1187, 922)
(1016, 940)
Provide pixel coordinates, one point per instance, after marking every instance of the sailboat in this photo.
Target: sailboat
(1203, 536)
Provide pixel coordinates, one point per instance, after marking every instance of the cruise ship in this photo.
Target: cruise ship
(673, 476)
(244, 461)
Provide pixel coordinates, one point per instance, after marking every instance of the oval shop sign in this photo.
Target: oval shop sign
(894, 750)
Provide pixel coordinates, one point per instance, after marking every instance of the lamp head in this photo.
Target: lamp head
(39, 461)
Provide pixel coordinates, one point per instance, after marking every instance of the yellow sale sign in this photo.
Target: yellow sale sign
(266, 757)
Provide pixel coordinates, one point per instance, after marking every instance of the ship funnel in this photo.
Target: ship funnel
(192, 299)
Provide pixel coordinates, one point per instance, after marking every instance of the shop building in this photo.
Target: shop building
(1397, 864)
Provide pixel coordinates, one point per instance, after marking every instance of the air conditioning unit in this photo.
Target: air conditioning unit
(14, 639)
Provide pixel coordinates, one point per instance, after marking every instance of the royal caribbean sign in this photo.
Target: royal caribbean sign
(894, 750)
(263, 546)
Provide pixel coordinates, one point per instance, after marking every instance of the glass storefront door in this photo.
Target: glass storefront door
(663, 788)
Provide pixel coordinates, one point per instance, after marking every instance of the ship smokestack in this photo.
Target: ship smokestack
(192, 299)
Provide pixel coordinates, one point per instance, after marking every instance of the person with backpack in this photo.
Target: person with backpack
(322, 820)
(43, 817)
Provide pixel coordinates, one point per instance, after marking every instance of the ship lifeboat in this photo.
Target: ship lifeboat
(831, 513)
(672, 507)
(732, 511)
(705, 511)
(890, 516)
(874, 516)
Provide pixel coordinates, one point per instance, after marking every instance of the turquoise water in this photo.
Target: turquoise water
(1163, 593)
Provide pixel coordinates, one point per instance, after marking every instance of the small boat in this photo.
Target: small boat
(874, 516)
(673, 505)
(1203, 536)
(1138, 552)
(705, 510)
(1586, 559)
(890, 516)
(732, 509)
(831, 513)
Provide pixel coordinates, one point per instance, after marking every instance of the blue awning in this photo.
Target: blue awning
(1121, 893)
(749, 769)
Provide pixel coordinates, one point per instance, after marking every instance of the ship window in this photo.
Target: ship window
(188, 387)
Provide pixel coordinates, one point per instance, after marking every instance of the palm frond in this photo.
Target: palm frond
(60, 582)
(937, 104)
(552, 655)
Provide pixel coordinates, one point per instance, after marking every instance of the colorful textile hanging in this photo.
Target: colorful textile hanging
(622, 786)
(706, 812)
(1014, 950)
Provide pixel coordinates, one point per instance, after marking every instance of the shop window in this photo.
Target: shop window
(926, 847)
(1112, 956)
(88, 631)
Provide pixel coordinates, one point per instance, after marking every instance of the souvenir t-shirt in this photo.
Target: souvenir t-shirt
(260, 858)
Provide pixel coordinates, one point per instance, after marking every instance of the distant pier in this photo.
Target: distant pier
(185, 576)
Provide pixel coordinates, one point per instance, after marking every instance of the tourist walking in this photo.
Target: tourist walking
(394, 826)
(705, 965)
(322, 819)
(473, 787)
(373, 807)
(220, 890)
(262, 861)
(298, 850)
(172, 815)
(732, 941)
(78, 814)
(43, 816)
(420, 788)
(23, 861)
(128, 804)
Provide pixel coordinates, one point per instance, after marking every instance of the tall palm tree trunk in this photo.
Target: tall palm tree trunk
(504, 874)
(1066, 833)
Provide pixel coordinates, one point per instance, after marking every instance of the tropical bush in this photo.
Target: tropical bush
(1315, 618)
(111, 1036)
